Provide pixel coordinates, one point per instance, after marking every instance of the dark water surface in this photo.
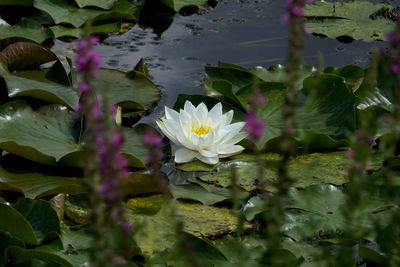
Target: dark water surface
(249, 33)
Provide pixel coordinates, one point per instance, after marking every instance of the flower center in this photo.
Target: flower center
(202, 130)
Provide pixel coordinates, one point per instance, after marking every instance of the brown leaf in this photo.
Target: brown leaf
(20, 54)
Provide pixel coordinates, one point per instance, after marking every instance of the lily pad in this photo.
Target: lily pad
(37, 84)
(196, 193)
(352, 19)
(178, 4)
(64, 31)
(104, 4)
(132, 89)
(40, 215)
(14, 223)
(198, 220)
(305, 170)
(63, 12)
(6, 241)
(21, 53)
(31, 221)
(317, 213)
(43, 136)
(26, 29)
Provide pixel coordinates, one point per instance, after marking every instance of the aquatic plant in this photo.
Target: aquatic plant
(202, 134)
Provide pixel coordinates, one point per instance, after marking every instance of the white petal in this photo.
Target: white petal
(208, 153)
(189, 108)
(228, 117)
(171, 114)
(229, 150)
(237, 138)
(208, 160)
(166, 132)
(184, 155)
(202, 113)
(233, 130)
(215, 114)
(185, 122)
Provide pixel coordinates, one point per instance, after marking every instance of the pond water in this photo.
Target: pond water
(245, 32)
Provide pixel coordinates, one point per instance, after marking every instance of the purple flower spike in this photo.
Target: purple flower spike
(254, 126)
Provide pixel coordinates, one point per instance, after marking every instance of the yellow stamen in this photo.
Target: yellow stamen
(201, 130)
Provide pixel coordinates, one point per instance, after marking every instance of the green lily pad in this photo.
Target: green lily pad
(327, 111)
(197, 193)
(14, 223)
(31, 221)
(104, 4)
(305, 170)
(35, 185)
(132, 89)
(6, 241)
(16, 3)
(202, 250)
(198, 220)
(37, 84)
(40, 215)
(133, 149)
(41, 256)
(26, 29)
(317, 213)
(63, 12)
(353, 19)
(43, 136)
(64, 31)
(178, 4)
(326, 101)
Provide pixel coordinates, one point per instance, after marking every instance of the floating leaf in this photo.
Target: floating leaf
(178, 4)
(353, 19)
(37, 84)
(20, 54)
(40, 215)
(16, 3)
(34, 185)
(105, 4)
(131, 89)
(305, 170)
(26, 29)
(29, 220)
(199, 220)
(63, 12)
(6, 241)
(317, 213)
(64, 31)
(44, 136)
(197, 193)
(203, 251)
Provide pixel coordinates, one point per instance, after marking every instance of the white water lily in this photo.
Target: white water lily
(202, 134)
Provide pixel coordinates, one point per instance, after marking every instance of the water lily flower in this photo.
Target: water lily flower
(201, 134)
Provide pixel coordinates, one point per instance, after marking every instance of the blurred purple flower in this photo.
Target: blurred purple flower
(254, 126)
